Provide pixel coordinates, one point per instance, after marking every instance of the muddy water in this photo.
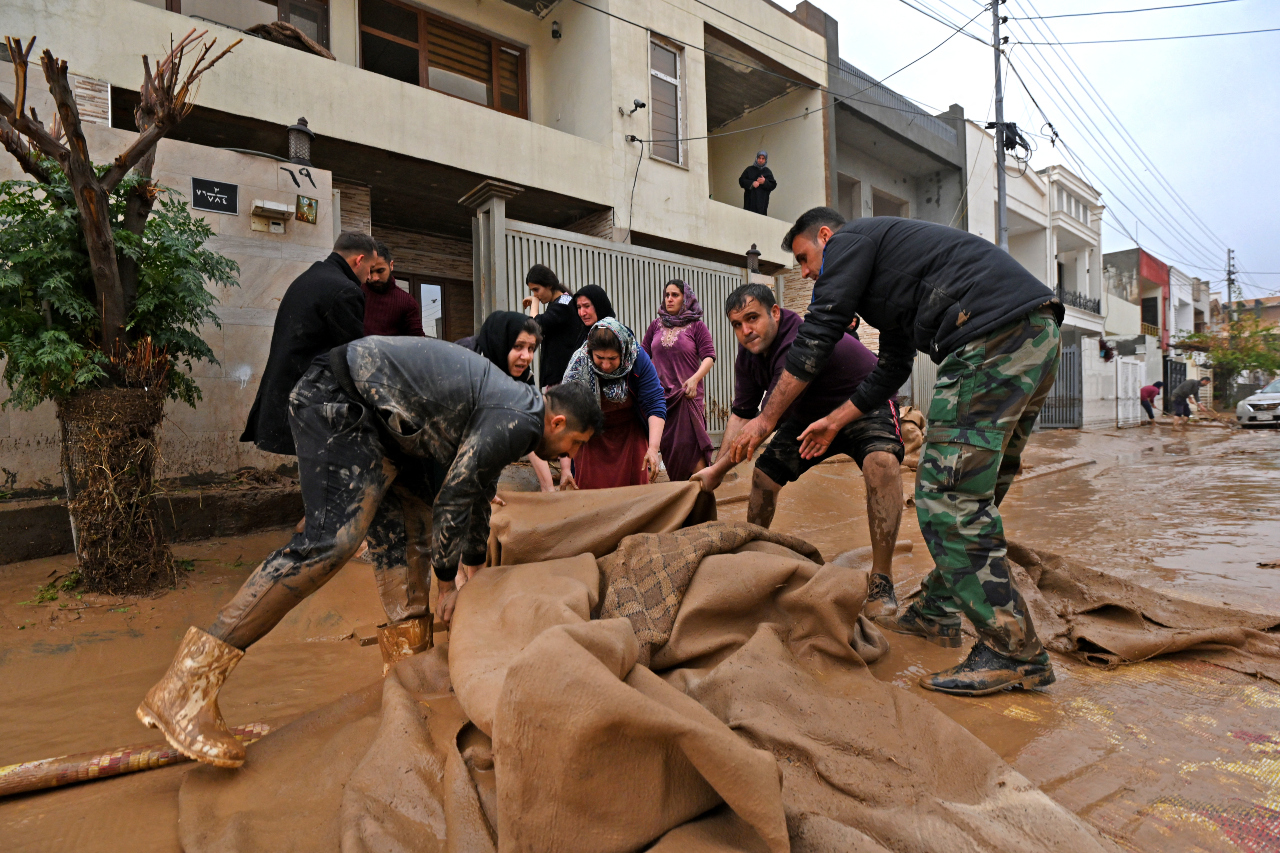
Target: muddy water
(1165, 755)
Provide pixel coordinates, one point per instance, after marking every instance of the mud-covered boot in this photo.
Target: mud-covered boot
(987, 671)
(882, 601)
(184, 703)
(944, 632)
(399, 640)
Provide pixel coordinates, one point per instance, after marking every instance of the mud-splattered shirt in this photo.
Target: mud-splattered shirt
(441, 401)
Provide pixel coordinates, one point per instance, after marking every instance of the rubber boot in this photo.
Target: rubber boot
(184, 703)
(399, 640)
(943, 632)
(882, 601)
(987, 671)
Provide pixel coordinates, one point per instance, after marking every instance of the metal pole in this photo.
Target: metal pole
(1002, 199)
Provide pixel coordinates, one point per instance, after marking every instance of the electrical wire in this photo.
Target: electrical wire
(1117, 124)
(1106, 148)
(836, 99)
(1153, 38)
(941, 20)
(1119, 11)
(631, 207)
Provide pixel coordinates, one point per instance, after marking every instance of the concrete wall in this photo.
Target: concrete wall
(573, 143)
(795, 155)
(204, 439)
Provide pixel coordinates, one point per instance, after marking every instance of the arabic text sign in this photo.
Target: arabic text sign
(215, 196)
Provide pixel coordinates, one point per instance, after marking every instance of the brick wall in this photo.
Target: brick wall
(355, 207)
(423, 254)
(596, 225)
(797, 292)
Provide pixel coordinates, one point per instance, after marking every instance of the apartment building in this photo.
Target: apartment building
(474, 138)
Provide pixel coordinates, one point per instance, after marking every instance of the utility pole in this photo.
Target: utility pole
(1002, 198)
(1233, 307)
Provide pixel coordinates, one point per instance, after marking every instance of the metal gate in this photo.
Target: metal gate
(1128, 392)
(1064, 409)
(633, 277)
(1175, 373)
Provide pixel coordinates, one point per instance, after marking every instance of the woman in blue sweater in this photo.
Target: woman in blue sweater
(625, 453)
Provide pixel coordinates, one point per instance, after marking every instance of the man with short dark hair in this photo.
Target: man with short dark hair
(401, 440)
(1147, 395)
(562, 331)
(388, 310)
(992, 328)
(765, 333)
(1182, 397)
(322, 308)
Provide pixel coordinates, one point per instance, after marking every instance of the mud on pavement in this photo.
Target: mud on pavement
(1169, 754)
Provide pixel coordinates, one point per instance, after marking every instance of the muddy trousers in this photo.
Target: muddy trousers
(353, 487)
(984, 405)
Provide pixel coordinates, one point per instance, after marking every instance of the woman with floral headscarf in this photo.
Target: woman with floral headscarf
(682, 351)
(625, 452)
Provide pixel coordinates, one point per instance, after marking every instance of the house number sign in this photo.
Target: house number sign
(215, 196)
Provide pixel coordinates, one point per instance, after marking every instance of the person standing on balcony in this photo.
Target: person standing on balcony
(388, 310)
(1148, 393)
(757, 182)
(562, 331)
(323, 308)
(993, 330)
(625, 452)
(681, 348)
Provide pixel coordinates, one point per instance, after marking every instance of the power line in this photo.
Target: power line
(1119, 11)
(941, 20)
(1122, 170)
(1114, 120)
(836, 99)
(1154, 38)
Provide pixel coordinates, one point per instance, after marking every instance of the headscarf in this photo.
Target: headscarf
(765, 155)
(599, 300)
(497, 338)
(582, 368)
(690, 312)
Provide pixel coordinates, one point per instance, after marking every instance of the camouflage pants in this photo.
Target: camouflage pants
(985, 403)
(352, 488)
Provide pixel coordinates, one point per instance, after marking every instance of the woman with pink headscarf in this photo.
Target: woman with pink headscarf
(680, 346)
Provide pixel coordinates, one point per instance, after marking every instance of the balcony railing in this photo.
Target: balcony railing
(1079, 300)
(1152, 331)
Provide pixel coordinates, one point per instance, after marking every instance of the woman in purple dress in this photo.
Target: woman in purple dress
(680, 346)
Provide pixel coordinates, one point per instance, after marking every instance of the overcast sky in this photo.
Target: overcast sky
(1206, 111)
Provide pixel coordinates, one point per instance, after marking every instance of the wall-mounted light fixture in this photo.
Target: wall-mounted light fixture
(555, 30)
(300, 137)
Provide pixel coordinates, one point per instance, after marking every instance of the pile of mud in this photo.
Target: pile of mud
(697, 690)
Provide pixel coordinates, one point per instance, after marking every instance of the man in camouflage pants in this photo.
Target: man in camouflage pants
(993, 329)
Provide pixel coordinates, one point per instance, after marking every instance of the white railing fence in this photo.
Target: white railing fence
(633, 277)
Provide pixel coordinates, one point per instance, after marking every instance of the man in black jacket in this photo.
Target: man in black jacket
(993, 329)
(323, 307)
(402, 440)
(757, 182)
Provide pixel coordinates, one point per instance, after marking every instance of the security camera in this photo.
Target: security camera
(639, 105)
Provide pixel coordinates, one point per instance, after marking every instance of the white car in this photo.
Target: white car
(1262, 408)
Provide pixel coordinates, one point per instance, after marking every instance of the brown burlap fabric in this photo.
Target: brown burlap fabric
(646, 578)
(1107, 621)
(756, 727)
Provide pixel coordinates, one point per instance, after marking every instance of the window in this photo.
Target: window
(664, 103)
(414, 47)
(309, 16)
(883, 204)
(1072, 206)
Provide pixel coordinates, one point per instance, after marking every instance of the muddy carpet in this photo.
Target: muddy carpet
(699, 690)
(1107, 621)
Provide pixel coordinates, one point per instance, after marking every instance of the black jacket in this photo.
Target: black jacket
(324, 307)
(439, 401)
(925, 286)
(562, 334)
(756, 199)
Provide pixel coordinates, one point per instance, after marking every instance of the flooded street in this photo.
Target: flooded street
(1168, 754)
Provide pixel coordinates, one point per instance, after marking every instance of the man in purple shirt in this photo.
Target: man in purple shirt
(765, 333)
